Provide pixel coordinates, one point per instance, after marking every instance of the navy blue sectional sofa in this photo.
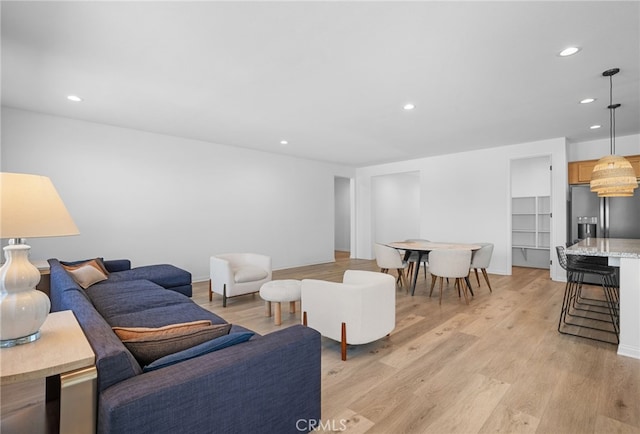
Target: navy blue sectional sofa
(269, 383)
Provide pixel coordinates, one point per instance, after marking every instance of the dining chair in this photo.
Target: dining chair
(481, 259)
(453, 263)
(412, 260)
(389, 258)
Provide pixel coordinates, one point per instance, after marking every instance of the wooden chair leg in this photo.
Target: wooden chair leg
(343, 342)
(304, 318)
(486, 278)
(460, 283)
(210, 291)
(433, 283)
(441, 280)
(468, 282)
(477, 278)
(402, 278)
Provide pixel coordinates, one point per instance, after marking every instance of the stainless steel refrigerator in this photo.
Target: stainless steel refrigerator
(617, 217)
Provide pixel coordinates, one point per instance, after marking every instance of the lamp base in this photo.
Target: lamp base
(19, 341)
(23, 309)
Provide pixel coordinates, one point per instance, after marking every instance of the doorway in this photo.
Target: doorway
(531, 212)
(342, 217)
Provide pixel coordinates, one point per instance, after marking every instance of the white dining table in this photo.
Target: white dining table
(424, 247)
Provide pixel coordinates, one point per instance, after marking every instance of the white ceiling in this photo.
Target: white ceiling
(329, 77)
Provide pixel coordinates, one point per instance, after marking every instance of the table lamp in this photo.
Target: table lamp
(29, 207)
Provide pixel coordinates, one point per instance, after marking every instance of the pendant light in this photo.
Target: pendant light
(613, 176)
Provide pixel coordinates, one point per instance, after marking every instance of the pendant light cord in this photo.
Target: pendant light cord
(612, 118)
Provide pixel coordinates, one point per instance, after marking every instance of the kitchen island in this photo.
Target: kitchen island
(623, 253)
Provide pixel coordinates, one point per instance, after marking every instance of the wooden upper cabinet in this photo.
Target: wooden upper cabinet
(580, 171)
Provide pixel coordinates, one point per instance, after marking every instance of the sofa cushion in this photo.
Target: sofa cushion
(249, 273)
(140, 303)
(164, 275)
(113, 361)
(199, 350)
(113, 265)
(88, 272)
(170, 339)
(161, 316)
(117, 298)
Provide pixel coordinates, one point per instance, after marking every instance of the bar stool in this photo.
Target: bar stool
(591, 311)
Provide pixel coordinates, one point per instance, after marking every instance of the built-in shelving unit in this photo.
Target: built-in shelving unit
(531, 231)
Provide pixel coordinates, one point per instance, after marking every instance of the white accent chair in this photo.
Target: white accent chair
(234, 274)
(389, 258)
(450, 263)
(360, 310)
(481, 259)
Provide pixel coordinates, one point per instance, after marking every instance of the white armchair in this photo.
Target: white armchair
(357, 311)
(234, 274)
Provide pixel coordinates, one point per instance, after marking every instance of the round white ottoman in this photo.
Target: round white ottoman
(280, 291)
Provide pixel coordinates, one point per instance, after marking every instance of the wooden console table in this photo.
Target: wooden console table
(62, 358)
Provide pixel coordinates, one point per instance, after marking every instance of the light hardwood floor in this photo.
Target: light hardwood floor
(497, 365)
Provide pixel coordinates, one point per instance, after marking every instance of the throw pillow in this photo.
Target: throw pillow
(126, 333)
(87, 273)
(151, 346)
(99, 262)
(199, 350)
(249, 273)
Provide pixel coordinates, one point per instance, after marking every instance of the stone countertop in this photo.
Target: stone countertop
(609, 247)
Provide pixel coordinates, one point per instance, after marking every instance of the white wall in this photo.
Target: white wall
(161, 199)
(596, 149)
(530, 177)
(466, 197)
(395, 207)
(156, 198)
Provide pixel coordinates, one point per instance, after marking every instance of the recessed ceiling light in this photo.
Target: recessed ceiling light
(569, 51)
(409, 106)
(594, 127)
(74, 98)
(284, 142)
(587, 100)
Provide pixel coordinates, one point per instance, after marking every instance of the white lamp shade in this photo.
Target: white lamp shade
(31, 208)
